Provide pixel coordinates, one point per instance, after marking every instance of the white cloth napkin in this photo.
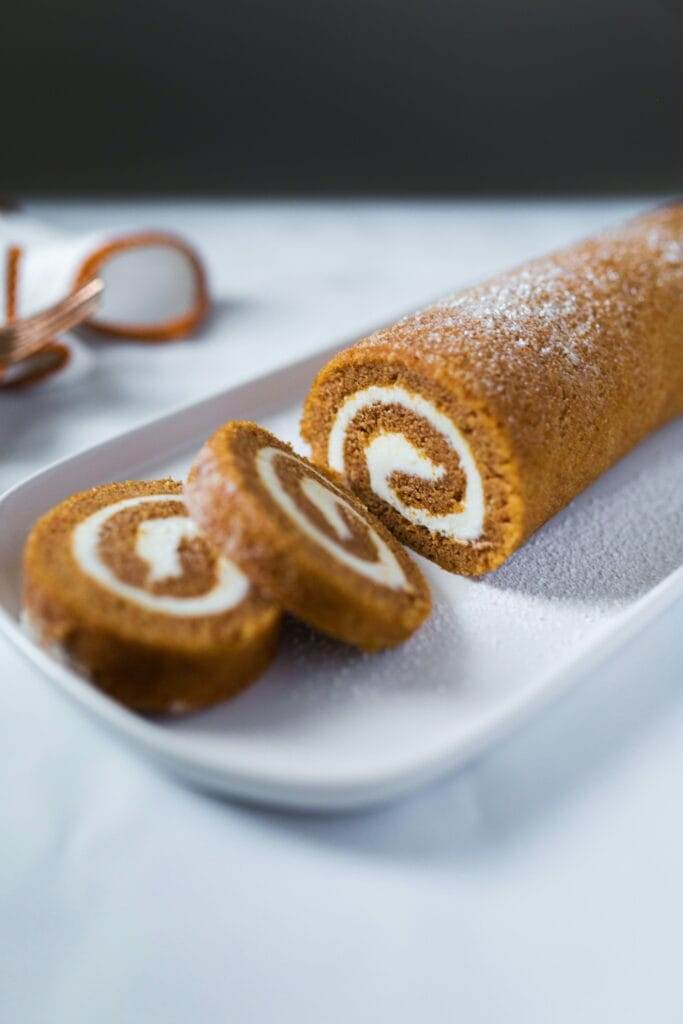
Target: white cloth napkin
(40, 266)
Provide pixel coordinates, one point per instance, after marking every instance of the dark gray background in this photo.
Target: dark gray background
(359, 96)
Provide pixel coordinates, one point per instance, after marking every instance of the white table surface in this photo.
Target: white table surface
(544, 882)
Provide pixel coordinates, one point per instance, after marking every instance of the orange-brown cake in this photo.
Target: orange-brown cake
(303, 540)
(465, 426)
(121, 581)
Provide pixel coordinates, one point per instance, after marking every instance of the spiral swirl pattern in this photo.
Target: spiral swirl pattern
(157, 542)
(390, 453)
(336, 527)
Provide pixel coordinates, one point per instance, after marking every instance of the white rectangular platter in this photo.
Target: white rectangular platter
(328, 728)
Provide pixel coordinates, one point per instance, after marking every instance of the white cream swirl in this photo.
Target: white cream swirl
(157, 543)
(391, 452)
(386, 570)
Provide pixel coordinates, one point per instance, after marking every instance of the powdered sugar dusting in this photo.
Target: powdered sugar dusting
(562, 308)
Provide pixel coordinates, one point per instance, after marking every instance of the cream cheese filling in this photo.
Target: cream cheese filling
(386, 571)
(157, 543)
(392, 452)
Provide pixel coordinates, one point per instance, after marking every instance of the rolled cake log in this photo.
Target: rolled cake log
(467, 425)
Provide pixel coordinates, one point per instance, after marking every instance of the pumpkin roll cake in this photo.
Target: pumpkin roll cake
(304, 540)
(122, 583)
(466, 426)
